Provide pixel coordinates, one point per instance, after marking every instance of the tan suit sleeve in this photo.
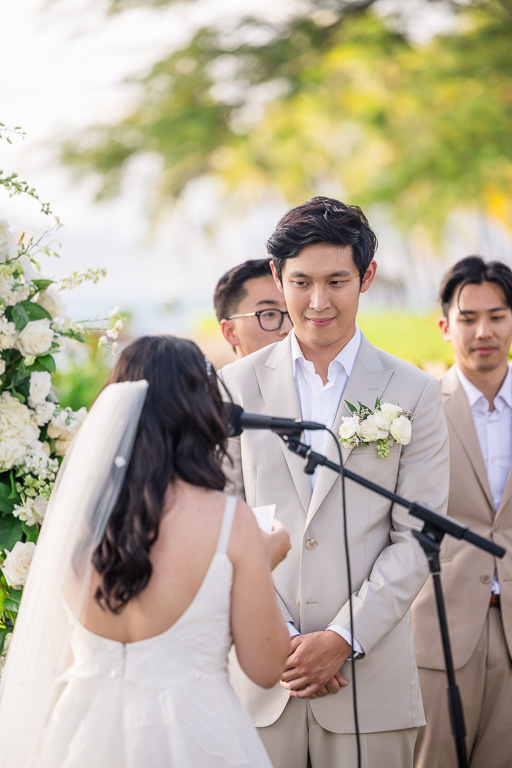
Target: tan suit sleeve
(401, 568)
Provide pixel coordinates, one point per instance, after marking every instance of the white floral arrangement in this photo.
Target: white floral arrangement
(35, 430)
(384, 425)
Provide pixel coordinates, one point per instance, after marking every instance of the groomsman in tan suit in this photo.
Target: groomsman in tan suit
(476, 299)
(322, 259)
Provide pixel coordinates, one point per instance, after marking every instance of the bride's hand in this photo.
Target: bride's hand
(277, 543)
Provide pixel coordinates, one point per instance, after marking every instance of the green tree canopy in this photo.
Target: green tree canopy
(339, 93)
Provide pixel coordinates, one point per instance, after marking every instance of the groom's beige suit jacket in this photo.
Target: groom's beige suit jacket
(388, 566)
(466, 572)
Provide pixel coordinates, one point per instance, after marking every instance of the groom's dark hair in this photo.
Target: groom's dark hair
(473, 270)
(323, 220)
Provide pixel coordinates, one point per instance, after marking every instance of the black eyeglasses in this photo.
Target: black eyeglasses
(269, 319)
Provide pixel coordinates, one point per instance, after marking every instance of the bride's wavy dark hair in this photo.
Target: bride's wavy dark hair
(181, 434)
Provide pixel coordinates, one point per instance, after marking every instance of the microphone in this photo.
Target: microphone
(237, 420)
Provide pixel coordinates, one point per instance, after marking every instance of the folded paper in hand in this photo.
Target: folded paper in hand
(264, 516)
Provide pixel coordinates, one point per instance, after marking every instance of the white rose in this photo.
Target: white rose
(51, 301)
(40, 385)
(388, 412)
(349, 427)
(401, 430)
(17, 562)
(2, 367)
(35, 338)
(370, 430)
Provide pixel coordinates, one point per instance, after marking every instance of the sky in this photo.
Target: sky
(63, 66)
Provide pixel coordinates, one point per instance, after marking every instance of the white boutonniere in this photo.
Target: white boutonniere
(384, 424)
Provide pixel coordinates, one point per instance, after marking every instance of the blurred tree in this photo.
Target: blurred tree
(338, 94)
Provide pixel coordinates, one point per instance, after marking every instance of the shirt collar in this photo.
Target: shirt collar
(346, 357)
(473, 394)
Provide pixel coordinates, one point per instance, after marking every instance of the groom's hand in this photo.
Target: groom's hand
(335, 683)
(313, 664)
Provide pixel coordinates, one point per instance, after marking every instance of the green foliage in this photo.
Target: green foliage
(10, 181)
(337, 93)
(413, 337)
(35, 429)
(80, 379)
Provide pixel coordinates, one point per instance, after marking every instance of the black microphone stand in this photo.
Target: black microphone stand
(430, 537)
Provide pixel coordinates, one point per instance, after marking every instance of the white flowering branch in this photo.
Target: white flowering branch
(35, 430)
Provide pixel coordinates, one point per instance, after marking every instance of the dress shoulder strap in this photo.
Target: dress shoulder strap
(227, 522)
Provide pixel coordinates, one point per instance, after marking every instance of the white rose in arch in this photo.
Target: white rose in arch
(17, 563)
(40, 385)
(35, 338)
(401, 430)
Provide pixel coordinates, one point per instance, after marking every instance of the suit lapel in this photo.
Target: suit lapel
(459, 415)
(279, 393)
(507, 492)
(367, 381)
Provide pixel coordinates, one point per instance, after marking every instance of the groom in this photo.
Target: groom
(322, 259)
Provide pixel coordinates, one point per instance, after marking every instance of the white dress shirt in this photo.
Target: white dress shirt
(494, 431)
(319, 402)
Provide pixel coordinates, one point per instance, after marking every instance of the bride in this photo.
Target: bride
(144, 574)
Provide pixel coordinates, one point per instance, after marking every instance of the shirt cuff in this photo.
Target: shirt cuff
(292, 629)
(358, 651)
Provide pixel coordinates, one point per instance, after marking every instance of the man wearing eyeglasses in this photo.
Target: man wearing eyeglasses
(251, 311)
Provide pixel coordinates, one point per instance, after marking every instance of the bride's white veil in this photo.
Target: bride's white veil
(84, 495)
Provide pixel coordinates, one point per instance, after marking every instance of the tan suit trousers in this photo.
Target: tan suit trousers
(485, 685)
(296, 740)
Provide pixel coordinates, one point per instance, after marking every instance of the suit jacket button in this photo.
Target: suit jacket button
(298, 602)
(485, 579)
(310, 543)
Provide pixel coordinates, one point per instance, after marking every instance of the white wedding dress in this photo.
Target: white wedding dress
(163, 702)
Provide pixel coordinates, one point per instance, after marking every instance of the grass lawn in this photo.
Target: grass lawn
(412, 337)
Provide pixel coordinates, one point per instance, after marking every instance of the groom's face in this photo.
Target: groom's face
(321, 287)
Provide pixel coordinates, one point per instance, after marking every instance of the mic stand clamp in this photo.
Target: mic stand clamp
(313, 459)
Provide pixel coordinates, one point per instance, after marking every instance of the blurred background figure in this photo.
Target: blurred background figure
(251, 311)
(476, 298)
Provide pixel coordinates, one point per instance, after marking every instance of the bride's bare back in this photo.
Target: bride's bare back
(180, 558)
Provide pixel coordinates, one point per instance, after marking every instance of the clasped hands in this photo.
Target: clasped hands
(312, 668)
